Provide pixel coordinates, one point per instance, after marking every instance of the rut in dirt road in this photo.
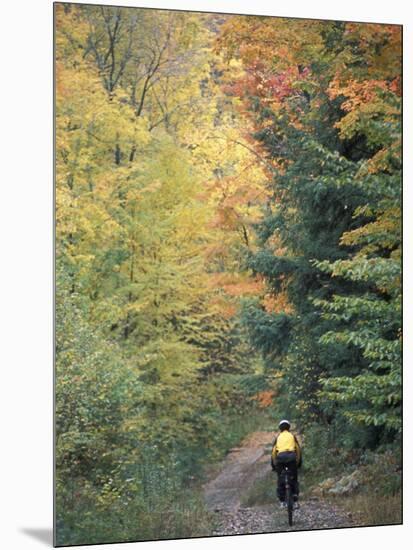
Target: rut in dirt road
(243, 467)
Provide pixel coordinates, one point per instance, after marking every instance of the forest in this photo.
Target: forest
(228, 252)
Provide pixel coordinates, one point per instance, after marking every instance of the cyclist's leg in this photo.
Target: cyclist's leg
(280, 484)
(294, 480)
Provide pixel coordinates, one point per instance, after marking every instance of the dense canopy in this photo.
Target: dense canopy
(228, 204)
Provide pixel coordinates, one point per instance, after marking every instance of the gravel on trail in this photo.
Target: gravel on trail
(271, 519)
(244, 466)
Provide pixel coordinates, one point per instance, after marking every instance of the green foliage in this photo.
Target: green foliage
(371, 321)
(269, 332)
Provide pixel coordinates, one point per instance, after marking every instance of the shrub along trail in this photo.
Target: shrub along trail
(243, 468)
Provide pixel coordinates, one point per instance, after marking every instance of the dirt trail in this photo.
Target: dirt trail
(243, 467)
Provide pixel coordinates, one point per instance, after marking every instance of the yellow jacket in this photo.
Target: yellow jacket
(286, 442)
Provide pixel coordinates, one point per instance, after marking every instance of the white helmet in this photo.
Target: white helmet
(284, 422)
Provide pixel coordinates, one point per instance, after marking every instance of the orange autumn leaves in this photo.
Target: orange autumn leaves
(265, 398)
(282, 60)
(234, 286)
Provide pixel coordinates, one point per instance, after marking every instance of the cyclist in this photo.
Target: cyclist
(286, 450)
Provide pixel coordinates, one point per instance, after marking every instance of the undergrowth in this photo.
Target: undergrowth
(377, 499)
(169, 507)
